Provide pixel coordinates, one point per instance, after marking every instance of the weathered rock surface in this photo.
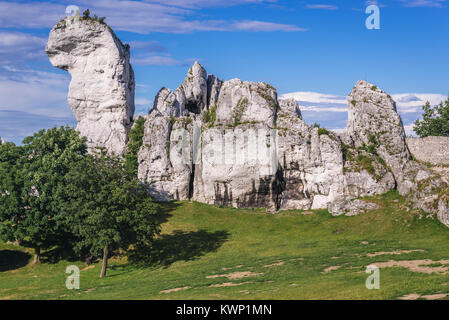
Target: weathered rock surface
(434, 150)
(373, 121)
(101, 93)
(235, 143)
(375, 125)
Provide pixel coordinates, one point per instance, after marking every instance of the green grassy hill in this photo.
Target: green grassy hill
(206, 252)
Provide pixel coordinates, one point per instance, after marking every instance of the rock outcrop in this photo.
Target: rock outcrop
(234, 143)
(433, 150)
(101, 93)
(375, 125)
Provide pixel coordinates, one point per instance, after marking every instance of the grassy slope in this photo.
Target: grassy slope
(200, 240)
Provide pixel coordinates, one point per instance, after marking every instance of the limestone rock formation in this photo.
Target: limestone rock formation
(373, 121)
(234, 143)
(433, 150)
(375, 125)
(101, 92)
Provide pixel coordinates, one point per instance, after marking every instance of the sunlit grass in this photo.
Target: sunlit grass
(284, 254)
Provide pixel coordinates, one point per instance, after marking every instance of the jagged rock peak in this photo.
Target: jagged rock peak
(195, 89)
(101, 92)
(374, 121)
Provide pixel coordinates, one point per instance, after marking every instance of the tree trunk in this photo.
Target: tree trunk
(37, 255)
(105, 262)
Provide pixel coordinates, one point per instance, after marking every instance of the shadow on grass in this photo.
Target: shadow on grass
(13, 259)
(57, 254)
(165, 209)
(178, 246)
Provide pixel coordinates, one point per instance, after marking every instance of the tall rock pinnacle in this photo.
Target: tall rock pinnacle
(101, 93)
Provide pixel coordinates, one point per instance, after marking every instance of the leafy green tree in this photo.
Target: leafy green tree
(108, 208)
(435, 120)
(134, 144)
(29, 204)
(11, 186)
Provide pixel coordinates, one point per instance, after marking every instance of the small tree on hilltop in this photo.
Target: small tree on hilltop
(109, 208)
(435, 120)
(86, 14)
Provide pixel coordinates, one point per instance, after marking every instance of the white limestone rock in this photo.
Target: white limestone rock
(246, 102)
(101, 93)
(373, 120)
(213, 90)
(194, 89)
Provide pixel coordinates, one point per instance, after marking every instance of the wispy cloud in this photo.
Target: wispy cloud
(46, 92)
(155, 60)
(374, 2)
(331, 110)
(258, 26)
(18, 46)
(423, 3)
(322, 6)
(172, 16)
(16, 125)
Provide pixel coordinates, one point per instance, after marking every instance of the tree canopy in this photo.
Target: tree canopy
(35, 170)
(435, 120)
(54, 193)
(108, 207)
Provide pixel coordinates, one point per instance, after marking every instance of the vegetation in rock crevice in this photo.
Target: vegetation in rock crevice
(135, 142)
(210, 116)
(238, 110)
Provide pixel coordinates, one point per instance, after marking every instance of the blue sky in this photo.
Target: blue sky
(313, 50)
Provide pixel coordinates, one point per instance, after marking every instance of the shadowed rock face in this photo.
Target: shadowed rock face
(101, 93)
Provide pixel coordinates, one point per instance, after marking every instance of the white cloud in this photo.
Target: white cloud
(258, 26)
(322, 109)
(36, 92)
(423, 3)
(409, 130)
(173, 16)
(322, 6)
(155, 60)
(374, 2)
(330, 110)
(18, 46)
(142, 101)
(417, 99)
(315, 97)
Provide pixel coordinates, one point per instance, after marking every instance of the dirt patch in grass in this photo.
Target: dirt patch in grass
(235, 275)
(89, 267)
(410, 296)
(422, 266)
(174, 290)
(415, 296)
(331, 268)
(275, 264)
(227, 284)
(396, 252)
